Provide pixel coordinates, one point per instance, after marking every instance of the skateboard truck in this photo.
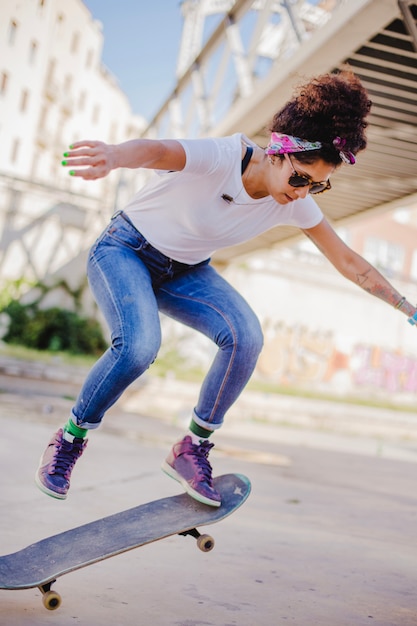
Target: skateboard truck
(51, 599)
(204, 542)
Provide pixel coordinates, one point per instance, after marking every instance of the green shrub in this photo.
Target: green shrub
(52, 329)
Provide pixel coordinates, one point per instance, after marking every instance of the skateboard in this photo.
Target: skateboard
(40, 564)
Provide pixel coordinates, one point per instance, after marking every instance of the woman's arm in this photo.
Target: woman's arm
(356, 268)
(95, 159)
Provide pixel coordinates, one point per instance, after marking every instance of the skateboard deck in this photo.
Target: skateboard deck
(40, 564)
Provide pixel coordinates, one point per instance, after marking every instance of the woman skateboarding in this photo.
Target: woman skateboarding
(154, 256)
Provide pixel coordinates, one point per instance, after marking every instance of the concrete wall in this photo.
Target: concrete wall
(322, 333)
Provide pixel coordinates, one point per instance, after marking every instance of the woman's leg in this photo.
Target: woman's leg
(205, 301)
(123, 289)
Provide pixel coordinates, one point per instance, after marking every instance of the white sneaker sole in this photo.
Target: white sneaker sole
(170, 471)
(49, 492)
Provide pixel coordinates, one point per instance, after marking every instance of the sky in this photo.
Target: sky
(141, 45)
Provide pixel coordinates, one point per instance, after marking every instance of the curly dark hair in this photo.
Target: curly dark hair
(328, 106)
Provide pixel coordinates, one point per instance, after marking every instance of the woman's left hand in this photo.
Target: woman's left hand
(91, 159)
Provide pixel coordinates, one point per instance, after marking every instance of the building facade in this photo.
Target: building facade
(54, 90)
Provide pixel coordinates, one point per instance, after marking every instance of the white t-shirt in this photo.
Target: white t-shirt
(183, 214)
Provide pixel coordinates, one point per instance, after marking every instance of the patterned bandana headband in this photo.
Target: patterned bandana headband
(283, 144)
(345, 155)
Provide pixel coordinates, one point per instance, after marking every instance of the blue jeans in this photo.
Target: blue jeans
(131, 282)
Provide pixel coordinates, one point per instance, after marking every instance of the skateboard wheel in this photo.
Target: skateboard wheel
(205, 543)
(51, 600)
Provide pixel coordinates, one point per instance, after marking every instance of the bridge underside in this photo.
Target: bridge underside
(378, 40)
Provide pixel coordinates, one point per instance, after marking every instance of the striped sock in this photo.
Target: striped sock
(197, 433)
(75, 430)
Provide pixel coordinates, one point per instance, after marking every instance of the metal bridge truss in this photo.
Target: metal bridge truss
(246, 40)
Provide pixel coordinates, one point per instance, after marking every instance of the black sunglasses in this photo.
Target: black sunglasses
(302, 180)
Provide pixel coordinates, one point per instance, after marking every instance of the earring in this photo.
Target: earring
(270, 160)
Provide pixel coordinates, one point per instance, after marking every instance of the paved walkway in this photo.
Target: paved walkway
(327, 537)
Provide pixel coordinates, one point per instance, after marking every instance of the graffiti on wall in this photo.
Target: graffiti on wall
(384, 369)
(296, 354)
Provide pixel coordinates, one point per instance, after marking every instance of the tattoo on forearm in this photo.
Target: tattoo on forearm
(362, 278)
(378, 288)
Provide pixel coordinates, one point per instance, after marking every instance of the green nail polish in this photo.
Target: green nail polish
(65, 154)
(63, 162)
(72, 173)
(71, 147)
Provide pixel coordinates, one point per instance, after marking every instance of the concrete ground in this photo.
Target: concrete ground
(326, 538)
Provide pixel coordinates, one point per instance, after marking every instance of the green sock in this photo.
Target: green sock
(204, 433)
(75, 430)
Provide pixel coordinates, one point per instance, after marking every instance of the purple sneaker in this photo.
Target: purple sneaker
(56, 464)
(188, 464)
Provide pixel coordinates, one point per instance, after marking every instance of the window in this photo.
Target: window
(4, 80)
(41, 6)
(413, 270)
(33, 51)
(51, 69)
(75, 42)
(15, 150)
(96, 114)
(89, 60)
(42, 118)
(387, 256)
(81, 101)
(113, 133)
(12, 32)
(24, 100)
(67, 84)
